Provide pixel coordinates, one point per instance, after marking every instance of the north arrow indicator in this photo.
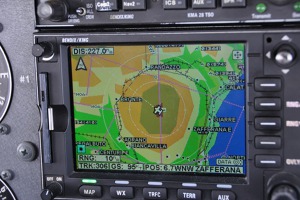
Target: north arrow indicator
(81, 65)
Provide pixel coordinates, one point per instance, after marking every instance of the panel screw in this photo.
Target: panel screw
(26, 151)
(7, 175)
(4, 129)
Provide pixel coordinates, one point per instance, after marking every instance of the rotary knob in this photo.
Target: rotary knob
(284, 192)
(285, 55)
(51, 191)
(54, 10)
(45, 50)
(280, 2)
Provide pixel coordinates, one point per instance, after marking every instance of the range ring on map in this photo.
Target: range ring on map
(160, 105)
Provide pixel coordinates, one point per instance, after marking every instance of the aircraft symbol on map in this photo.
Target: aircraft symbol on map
(81, 65)
(158, 110)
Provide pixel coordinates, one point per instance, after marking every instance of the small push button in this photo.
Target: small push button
(268, 123)
(262, 142)
(267, 84)
(233, 3)
(261, 7)
(121, 192)
(108, 5)
(267, 104)
(134, 4)
(297, 7)
(189, 194)
(175, 4)
(90, 191)
(204, 3)
(268, 161)
(226, 195)
(155, 193)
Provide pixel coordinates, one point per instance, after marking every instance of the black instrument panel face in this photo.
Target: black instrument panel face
(5, 83)
(18, 111)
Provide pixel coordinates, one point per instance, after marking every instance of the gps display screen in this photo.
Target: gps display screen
(171, 108)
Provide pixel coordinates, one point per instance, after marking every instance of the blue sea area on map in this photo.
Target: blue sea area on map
(238, 142)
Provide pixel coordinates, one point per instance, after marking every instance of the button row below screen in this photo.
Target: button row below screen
(152, 193)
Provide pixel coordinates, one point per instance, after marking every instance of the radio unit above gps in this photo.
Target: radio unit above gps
(169, 115)
(134, 13)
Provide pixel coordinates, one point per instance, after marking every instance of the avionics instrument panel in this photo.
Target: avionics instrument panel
(164, 12)
(149, 118)
(156, 99)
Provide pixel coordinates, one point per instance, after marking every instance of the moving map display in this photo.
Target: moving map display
(172, 108)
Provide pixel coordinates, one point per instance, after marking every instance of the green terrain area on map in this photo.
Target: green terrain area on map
(152, 107)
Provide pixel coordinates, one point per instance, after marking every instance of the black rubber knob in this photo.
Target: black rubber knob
(280, 2)
(44, 49)
(54, 10)
(51, 191)
(284, 192)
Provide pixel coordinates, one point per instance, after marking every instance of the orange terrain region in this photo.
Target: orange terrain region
(131, 112)
(118, 89)
(92, 100)
(172, 49)
(129, 59)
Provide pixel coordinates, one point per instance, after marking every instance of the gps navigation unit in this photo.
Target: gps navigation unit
(166, 115)
(160, 108)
